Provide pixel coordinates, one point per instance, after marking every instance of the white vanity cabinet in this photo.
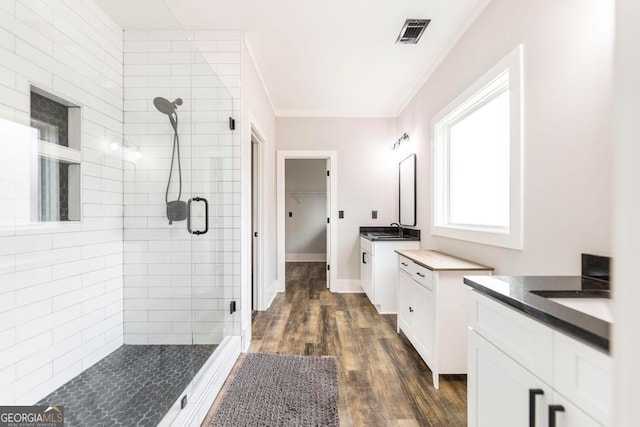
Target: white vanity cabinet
(431, 308)
(378, 271)
(524, 373)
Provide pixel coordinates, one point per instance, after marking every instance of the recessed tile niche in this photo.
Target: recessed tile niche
(58, 189)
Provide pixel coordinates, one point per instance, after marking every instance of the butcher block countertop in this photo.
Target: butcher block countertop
(438, 261)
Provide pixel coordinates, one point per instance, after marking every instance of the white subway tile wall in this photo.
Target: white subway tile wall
(178, 287)
(61, 285)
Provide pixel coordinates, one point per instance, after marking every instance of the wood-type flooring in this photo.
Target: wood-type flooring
(382, 380)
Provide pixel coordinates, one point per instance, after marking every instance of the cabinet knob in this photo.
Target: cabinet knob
(553, 409)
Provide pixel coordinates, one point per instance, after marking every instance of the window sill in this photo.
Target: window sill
(510, 240)
(55, 151)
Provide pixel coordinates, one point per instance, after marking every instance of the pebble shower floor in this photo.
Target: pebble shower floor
(133, 386)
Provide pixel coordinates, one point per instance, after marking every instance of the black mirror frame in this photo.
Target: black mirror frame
(415, 193)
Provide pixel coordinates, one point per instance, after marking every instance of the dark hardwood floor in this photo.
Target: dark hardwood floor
(382, 380)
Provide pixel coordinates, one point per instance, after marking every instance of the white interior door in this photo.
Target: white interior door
(329, 220)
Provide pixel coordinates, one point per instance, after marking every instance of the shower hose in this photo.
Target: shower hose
(176, 149)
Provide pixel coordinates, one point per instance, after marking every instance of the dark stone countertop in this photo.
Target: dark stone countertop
(376, 234)
(516, 291)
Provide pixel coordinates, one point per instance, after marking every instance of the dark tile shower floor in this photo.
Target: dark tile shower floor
(133, 386)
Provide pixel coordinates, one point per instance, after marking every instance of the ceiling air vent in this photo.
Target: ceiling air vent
(412, 31)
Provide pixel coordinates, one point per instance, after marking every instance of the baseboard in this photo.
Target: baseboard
(306, 257)
(347, 286)
(273, 296)
(246, 339)
(268, 295)
(204, 388)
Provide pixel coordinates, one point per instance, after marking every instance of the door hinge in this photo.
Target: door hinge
(328, 220)
(232, 123)
(232, 307)
(328, 173)
(328, 267)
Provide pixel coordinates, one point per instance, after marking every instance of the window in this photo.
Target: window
(57, 122)
(477, 165)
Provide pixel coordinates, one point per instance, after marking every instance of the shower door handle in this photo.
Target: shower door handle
(206, 216)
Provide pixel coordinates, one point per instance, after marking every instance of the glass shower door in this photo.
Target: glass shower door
(214, 205)
(182, 203)
(210, 150)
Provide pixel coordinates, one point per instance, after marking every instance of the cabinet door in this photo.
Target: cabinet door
(404, 302)
(423, 323)
(366, 274)
(570, 415)
(500, 390)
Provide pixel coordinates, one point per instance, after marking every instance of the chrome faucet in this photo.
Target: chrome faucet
(395, 224)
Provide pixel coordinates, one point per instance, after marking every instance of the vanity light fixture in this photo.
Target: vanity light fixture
(403, 138)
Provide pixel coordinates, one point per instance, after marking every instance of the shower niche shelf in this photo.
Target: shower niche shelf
(57, 190)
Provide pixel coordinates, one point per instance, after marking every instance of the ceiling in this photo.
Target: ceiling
(332, 58)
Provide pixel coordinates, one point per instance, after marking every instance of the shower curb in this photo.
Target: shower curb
(205, 386)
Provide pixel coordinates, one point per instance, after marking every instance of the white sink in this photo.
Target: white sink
(596, 307)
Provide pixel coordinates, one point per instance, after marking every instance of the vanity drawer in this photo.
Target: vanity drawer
(406, 264)
(522, 338)
(422, 275)
(584, 376)
(366, 245)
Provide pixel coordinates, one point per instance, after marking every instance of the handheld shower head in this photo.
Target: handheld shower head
(165, 106)
(176, 209)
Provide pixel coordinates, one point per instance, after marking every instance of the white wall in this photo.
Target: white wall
(306, 200)
(626, 346)
(257, 111)
(177, 286)
(61, 284)
(367, 174)
(567, 113)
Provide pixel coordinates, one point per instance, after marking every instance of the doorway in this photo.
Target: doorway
(254, 223)
(294, 205)
(256, 213)
(305, 213)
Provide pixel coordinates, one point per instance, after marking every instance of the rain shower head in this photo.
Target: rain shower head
(165, 106)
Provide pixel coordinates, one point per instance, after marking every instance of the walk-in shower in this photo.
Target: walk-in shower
(119, 303)
(181, 276)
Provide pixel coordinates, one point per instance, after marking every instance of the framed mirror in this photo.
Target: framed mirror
(407, 195)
